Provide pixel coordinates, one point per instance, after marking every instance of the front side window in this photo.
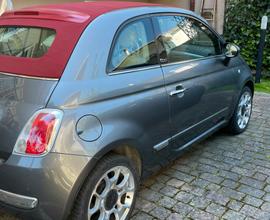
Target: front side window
(134, 47)
(184, 38)
(27, 42)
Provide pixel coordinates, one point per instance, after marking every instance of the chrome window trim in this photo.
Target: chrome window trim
(192, 60)
(28, 77)
(134, 70)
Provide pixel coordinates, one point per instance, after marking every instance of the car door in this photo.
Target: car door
(199, 84)
(138, 85)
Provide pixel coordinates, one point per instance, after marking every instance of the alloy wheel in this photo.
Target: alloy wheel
(113, 195)
(244, 110)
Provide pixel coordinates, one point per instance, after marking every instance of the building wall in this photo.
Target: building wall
(179, 3)
(219, 25)
(23, 3)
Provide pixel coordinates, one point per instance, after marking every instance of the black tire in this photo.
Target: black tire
(233, 126)
(80, 210)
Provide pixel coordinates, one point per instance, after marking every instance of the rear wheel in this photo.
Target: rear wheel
(109, 192)
(241, 117)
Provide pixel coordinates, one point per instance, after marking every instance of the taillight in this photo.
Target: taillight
(39, 133)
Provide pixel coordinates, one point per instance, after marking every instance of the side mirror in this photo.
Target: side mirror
(232, 50)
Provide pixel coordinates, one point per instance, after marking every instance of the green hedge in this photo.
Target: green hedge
(242, 26)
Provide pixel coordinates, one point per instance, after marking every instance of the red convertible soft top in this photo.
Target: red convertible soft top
(68, 21)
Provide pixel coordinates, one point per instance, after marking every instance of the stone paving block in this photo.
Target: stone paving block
(157, 186)
(266, 197)
(212, 178)
(150, 195)
(255, 212)
(200, 202)
(183, 209)
(184, 197)
(167, 202)
(207, 168)
(230, 183)
(243, 171)
(142, 216)
(263, 170)
(231, 193)
(160, 213)
(162, 178)
(213, 187)
(175, 183)
(252, 182)
(259, 176)
(144, 205)
(169, 191)
(267, 188)
(233, 215)
(193, 190)
(218, 198)
(266, 207)
(200, 183)
(181, 176)
(175, 216)
(202, 215)
(216, 209)
(251, 191)
(229, 175)
(182, 168)
(253, 201)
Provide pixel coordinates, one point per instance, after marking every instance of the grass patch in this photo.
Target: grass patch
(264, 86)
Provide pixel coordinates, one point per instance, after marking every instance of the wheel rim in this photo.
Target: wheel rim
(244, 110)
(113, 195)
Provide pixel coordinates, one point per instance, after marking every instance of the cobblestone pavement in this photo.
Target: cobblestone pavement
(224, 177)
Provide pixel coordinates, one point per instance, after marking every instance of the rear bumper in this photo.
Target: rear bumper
(42, 188)
(19, 201)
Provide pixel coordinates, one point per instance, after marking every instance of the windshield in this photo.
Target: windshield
(27, 42)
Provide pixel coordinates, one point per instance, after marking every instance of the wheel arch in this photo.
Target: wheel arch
(128, 148)
(250, 84)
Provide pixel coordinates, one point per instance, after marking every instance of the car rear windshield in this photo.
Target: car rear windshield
(29, 42)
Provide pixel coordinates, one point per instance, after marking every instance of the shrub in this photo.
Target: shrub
(242, 26)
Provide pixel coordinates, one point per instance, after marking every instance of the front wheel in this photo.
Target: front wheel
(242, 114)
(110, 191)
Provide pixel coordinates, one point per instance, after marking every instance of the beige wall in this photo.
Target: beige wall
(23, 3)
(180, 3)
(219, 25)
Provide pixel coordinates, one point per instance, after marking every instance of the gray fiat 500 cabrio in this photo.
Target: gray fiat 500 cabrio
(95, 96)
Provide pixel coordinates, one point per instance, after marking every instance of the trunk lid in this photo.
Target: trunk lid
(20, 98)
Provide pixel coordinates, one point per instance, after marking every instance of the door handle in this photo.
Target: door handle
(177, 91)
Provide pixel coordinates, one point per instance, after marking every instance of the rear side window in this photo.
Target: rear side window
(185, 38)
(29, 42)
(134, 47)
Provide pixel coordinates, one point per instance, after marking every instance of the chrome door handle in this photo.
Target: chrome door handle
(178, 91)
